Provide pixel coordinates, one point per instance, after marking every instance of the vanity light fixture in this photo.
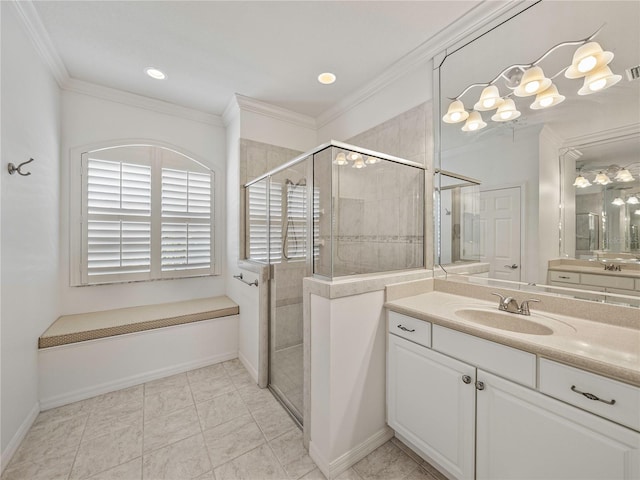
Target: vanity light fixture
(637, 212)
(371, 160)
(153, 72)
(598, 80)
(548, 98)
(326, 78)
(490, 99)
(533, 82)
(456, 113)
(618, 201)
(507, 111)
(633, 200)
(474, 122)
(581, 182)
(587, 58)
(589, 61)
(602, 179)
(341, 159)
(624, 175)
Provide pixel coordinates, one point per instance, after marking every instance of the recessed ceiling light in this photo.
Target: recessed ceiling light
(155, 73)
(326, 78)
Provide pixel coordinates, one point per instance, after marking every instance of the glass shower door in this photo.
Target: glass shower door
(288, 241)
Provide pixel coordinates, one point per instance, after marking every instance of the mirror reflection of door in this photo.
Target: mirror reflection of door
(499, 231)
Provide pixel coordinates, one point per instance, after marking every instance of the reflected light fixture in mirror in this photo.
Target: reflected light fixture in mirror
(602, 179)
(456, 113)
(633, 200)
(474, 122)
(341, 159)
(581, 182)
(618, 201)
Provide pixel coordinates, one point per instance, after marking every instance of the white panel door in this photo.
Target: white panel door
(523, 434)
(499, 225)
(430, 404)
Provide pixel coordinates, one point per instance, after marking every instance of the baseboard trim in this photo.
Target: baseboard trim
(252, 371)
(353, 456)
(84, 393)
(18, 437)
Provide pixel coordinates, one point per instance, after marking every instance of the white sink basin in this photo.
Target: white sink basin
(504, 321)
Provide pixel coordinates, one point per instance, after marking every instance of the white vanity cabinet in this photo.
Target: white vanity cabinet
(523, 434)
(474, 424)
(431, 403)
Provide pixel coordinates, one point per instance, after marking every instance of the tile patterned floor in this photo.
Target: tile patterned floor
(213, 423)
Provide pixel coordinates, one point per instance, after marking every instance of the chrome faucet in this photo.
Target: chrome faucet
(510, 304)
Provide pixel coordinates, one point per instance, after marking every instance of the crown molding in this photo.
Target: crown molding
(249, 104)
(470, 22)
(140, 101)
(40, 38)
(603, 135)
(231, 111)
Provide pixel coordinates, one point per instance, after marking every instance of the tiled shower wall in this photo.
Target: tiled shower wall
(408, 136)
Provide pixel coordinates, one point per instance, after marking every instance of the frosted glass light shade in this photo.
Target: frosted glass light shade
(588, 58)
(633, 200)
(533, 82)
(602, 179)
(618, 201)
(581, 182)
(340, 159)
(507, 111)
(489, 99)
(624, 175)
(474, 122)
(358, 163)
(371, 160)
(599, 80)
(548, 98)
(456, 113)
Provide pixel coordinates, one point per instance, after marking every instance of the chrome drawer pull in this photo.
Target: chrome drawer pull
(405, 329)
(562, 276)
(591, 396)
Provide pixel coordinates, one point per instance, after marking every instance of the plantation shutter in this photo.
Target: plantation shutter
(257, 222)
(118, 218)
(186, 220)
(296, 222)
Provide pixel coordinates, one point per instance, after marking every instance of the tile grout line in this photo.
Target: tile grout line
(75, 457)
(206, 447)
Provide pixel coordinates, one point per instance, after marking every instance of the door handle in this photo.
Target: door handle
(512, 267)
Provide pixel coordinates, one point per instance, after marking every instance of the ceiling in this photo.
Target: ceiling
(266, 50)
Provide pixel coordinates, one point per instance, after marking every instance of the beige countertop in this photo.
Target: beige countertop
(595, 270)
(606, 349)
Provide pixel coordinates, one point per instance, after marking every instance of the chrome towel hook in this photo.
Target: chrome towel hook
(13, 169)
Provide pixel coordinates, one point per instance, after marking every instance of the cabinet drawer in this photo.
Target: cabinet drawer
(565, 383)
(637, 284)
(607, 281)
(565, 277)
(505, 361)
(410, 328)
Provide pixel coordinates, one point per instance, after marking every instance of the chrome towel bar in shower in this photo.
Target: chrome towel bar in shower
(253, 284)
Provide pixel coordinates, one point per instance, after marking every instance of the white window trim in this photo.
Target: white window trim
(78, 200)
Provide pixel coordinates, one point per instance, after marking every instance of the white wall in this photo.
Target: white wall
(87, 120)
(404, 93)
(30, 223)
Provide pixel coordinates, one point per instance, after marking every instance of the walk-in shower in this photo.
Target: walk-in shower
(337, 210)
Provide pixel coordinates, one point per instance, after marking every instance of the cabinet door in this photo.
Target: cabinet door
(525, 434)
(431, 406)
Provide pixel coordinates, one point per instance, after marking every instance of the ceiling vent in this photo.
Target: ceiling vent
(633, 73)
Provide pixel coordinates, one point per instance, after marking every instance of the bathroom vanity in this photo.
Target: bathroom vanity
(486, 394)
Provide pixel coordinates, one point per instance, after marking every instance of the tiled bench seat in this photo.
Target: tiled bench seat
(90, 326)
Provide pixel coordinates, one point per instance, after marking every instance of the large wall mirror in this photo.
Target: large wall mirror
(539, 151)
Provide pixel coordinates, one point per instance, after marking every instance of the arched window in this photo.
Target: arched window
(146, 214)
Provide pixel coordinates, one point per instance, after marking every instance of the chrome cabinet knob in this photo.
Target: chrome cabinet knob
(480, 385)
(466, 379)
